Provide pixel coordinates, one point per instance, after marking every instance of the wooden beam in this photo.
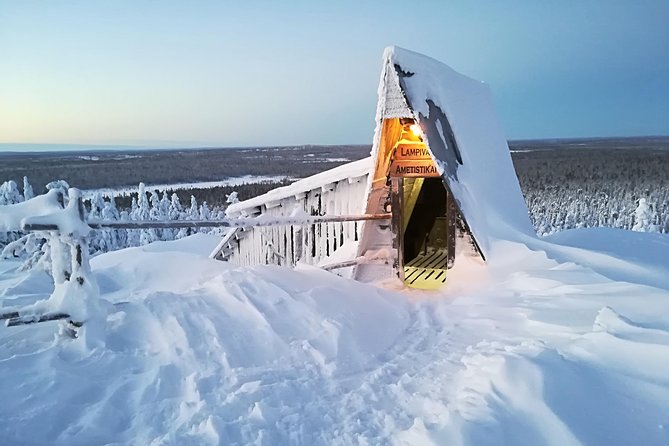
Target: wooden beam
(451, 215)
(36, 319)
(9, 315)
(396, 204)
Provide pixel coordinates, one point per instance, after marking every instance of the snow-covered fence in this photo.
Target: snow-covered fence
(318, 235)
(62, 220)
(319, 224)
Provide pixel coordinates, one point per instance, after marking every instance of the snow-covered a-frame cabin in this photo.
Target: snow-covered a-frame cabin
(440, 166)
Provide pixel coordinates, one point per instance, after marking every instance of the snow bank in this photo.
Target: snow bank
(12, 215)
(521, 350)
(649, 250)
(617, 254)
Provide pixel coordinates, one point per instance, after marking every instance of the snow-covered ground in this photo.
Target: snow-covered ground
(558, 341)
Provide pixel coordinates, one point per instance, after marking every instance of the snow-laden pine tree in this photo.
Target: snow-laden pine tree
(205, 214)
(58, 185)
(643, 217)
(232, 198)
(143, 213)
(192, 213)
(155, 214)
(15, 244)
(9, 193)
(97, 205)
(132, 238)
(133, 208)
(176, 212)
(123, 235)
(30, 247)
(27, 189)
(96, 241)
(114, 238)
(164, 212)
(154, 208)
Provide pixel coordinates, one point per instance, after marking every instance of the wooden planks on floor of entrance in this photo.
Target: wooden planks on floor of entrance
(427, 271)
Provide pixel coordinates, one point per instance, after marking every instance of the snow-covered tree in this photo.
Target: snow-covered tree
(143, 213)
(133, 209)
(97, 205)
(96, 239)
(132, 235)
(155, 212)
(643, 217)
(143, 208)
(175, 211)
(163, 214)
(9, 193)
(205, 214)
(59, 184)
(192, 213)
(114, 239)
(232, 198)
(165, 205)
(27, 189)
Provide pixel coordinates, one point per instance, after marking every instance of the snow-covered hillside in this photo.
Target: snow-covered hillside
(551, 344)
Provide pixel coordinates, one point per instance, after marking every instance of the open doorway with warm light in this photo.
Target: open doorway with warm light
(428, 233)
(423, 217)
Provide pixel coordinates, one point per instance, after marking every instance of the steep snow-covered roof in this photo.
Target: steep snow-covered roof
(351, 170)
(460, 126)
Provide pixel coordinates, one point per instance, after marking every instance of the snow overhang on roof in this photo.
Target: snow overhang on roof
(351, 170)
(466, 141)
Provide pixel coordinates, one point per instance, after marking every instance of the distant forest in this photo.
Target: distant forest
(567, 188)
(94, 170)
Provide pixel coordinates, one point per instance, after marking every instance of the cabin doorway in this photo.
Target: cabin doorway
(425, 231)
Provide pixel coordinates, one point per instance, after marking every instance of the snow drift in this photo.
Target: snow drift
(523, 350)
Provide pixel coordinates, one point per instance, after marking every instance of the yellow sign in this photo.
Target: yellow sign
(406, 152)
(418, 168)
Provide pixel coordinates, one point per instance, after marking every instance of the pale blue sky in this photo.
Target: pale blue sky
(253, 72)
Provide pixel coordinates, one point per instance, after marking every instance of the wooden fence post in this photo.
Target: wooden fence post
(80, 267)
(60, 269)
